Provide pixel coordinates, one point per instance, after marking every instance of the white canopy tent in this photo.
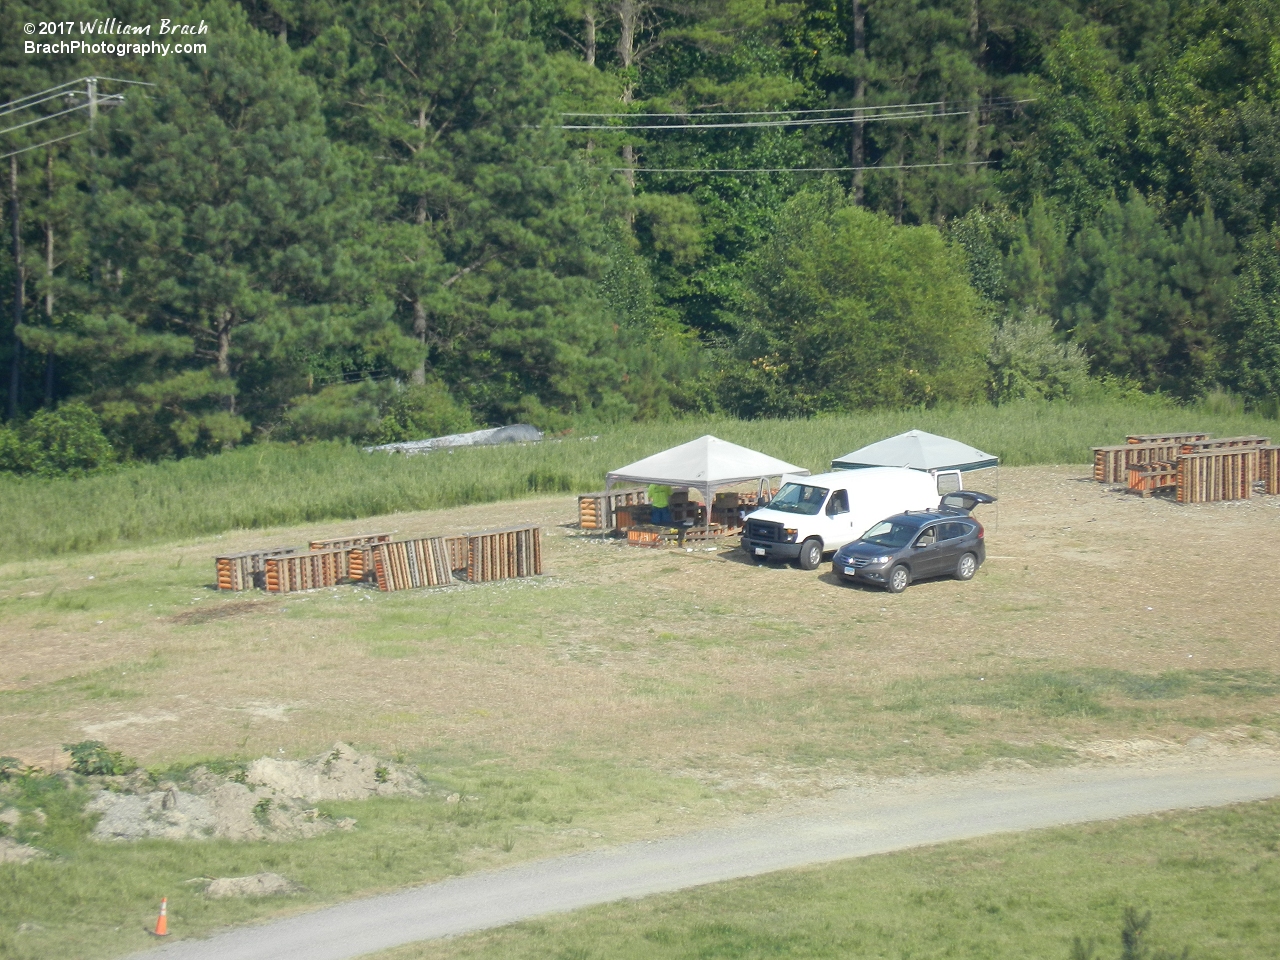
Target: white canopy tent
(704, 464)
(919, 451)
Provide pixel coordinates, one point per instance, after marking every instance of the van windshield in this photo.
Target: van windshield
(890, 534)
(799, 498)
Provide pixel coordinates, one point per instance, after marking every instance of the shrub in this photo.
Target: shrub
(56, 443)
(92, 758)
(1028, 361)
(10, 767)
(422, 411)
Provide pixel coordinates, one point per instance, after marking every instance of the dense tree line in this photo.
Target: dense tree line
(389, 218)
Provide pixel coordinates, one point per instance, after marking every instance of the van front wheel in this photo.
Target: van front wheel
(810, 554)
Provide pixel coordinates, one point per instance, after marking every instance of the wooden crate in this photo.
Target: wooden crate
(306, 571)
(1213, 475)
(1146, 478)
(1224, 443)
(595, 510)
(1269, 468)
(630, 515)
(504, 554)
(650, 535)
(1111, 464)
(406, 564)
(459, 552)
(241, 571)
(360, 562)
(1167, 437)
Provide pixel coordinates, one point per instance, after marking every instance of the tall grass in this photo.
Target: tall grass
(272, 485)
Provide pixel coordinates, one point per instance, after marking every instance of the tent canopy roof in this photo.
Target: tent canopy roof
(704, 463)
(918, 450)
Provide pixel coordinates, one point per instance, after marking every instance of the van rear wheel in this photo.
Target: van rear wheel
(810, 554)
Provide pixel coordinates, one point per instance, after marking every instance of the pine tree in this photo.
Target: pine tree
(217, 220)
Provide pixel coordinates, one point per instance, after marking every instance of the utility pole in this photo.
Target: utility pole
(857, 151)
(50, 372)
(19, 292)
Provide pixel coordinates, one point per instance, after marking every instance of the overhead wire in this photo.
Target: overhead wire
(47, 143)
(817, 121)
(998, 103)
(896, 166)
(106, 100)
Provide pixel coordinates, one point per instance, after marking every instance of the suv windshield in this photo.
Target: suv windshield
(887, 533)
(799, 498)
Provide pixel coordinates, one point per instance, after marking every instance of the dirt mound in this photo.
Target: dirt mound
(271, 800)
(11, 851)
(168, 814)
(338, 774)
(258, 885)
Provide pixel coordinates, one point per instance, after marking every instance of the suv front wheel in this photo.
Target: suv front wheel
(810, 554)
(899, 577)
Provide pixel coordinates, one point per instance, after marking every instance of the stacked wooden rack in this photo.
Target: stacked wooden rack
(1198, 467)
(596, 510)
(393, 565)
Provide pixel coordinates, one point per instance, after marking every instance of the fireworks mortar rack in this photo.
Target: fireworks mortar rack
(393, 565)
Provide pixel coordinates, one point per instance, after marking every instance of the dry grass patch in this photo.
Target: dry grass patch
(1098, 617)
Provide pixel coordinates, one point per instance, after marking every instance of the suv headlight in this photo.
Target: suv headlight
(879, 560)
(789, 534)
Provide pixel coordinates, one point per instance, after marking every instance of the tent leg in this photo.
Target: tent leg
(607, 527)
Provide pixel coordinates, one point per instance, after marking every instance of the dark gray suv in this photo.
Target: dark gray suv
(945, 542)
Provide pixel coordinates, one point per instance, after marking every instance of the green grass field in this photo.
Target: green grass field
(89, 899)
(273, 485)
(1210, 879)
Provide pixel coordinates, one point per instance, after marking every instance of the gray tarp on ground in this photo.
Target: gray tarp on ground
(704, 464)
(516, 433)
(919, 451)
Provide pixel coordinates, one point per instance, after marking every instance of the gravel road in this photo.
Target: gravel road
(852, 823)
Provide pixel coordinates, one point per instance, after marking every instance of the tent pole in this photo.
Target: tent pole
(608, 506)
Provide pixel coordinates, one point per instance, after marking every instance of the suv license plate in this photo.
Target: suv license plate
(850, 571)
(759, 551)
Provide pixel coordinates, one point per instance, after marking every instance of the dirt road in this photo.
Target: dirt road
(851, 823)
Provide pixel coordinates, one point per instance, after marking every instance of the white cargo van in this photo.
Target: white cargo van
(811, 516)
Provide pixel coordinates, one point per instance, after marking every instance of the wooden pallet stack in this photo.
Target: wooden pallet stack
(505, 554)
(1269, 468)
(1146, 478)
(1223, 443)
(406, 564)
(629, 515)
(649, 535)
(596, 510)
(242, 571)
(1174, 438)
(306, 571)
(360, 563)
(1223, 474)
(1111, 464)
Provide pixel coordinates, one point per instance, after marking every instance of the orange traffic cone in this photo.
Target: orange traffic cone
(162, 922)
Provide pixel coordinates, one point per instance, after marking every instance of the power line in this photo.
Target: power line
(897, 166)
(20, 104)
(47, 143)
(107, 100)
(998, 103)
(770, 123)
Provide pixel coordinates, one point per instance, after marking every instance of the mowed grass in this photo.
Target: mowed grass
(271, 484)
(88, 899)
(628, 693)
(1210, 879)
